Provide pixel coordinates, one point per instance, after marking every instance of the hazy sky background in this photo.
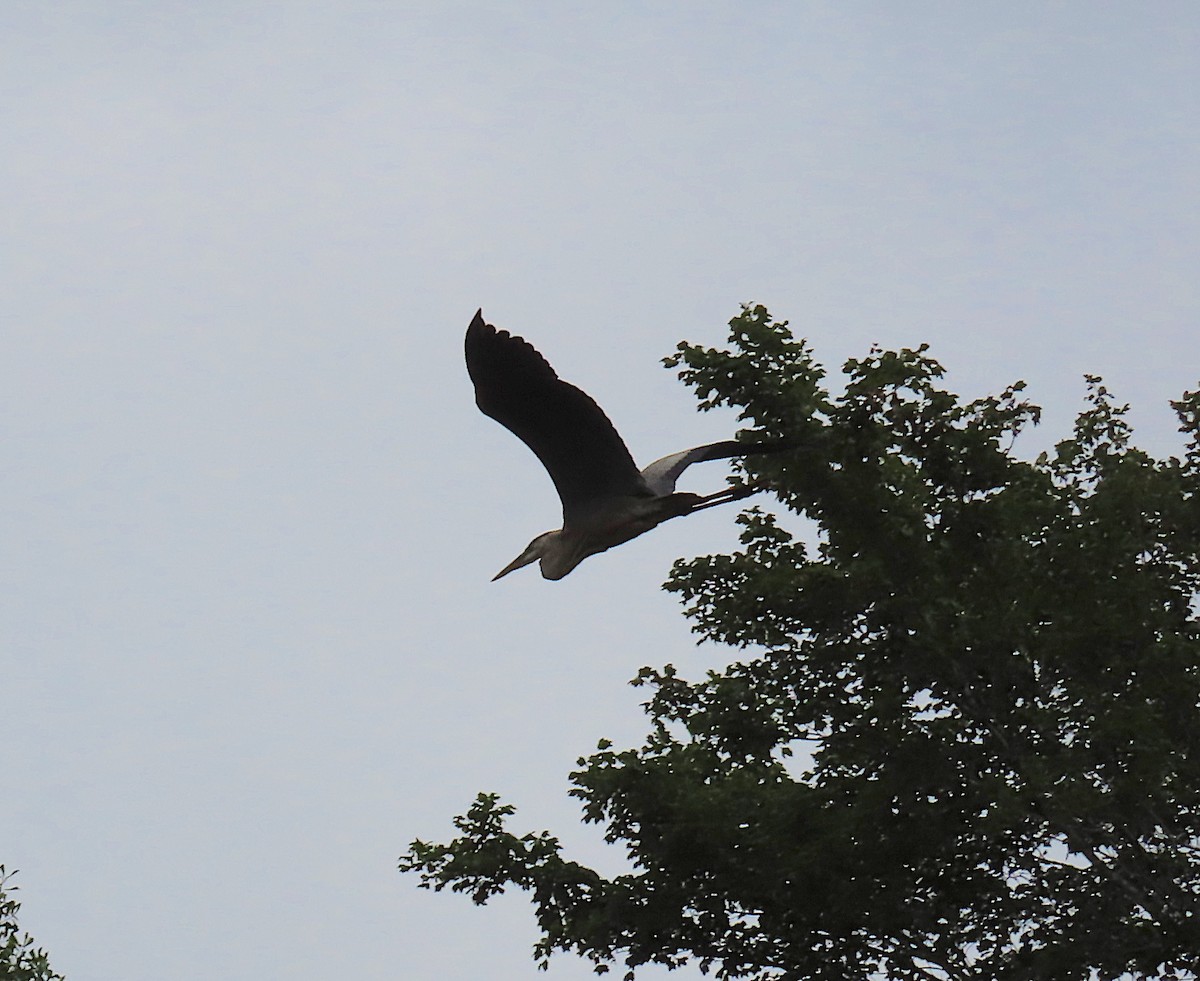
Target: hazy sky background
(250, 648)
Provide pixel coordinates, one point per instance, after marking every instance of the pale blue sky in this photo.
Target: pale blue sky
(250, 647)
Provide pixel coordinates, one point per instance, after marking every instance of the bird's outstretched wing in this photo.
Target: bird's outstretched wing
(660, 476)
(586, 458)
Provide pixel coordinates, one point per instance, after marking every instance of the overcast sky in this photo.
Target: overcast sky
(250, 648)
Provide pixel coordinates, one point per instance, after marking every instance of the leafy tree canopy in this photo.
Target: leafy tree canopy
(962, 742)
(19, 959)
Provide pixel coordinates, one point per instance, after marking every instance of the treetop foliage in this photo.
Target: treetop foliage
(19, 959)
(962, 742)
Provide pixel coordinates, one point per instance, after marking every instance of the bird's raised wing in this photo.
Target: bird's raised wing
(586, 458)
(660, 476)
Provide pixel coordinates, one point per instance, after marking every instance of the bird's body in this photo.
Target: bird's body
(606, 499)
(623, 518)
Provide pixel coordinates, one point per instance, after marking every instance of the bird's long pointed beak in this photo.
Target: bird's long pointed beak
(518, 563)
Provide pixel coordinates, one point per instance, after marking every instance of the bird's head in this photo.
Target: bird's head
(556, 552)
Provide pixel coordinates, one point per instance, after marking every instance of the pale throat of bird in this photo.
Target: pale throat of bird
(560, 553)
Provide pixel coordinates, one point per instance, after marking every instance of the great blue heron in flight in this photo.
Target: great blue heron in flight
(606, 500)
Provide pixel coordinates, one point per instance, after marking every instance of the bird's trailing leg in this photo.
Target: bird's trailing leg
(727, 495)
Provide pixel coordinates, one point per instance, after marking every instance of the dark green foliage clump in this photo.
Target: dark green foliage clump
(19, 959)
(963, 743)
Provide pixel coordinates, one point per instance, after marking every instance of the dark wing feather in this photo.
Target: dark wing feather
(571, 435)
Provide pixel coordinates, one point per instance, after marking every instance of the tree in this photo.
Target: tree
(19, 959)
(963, 739)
